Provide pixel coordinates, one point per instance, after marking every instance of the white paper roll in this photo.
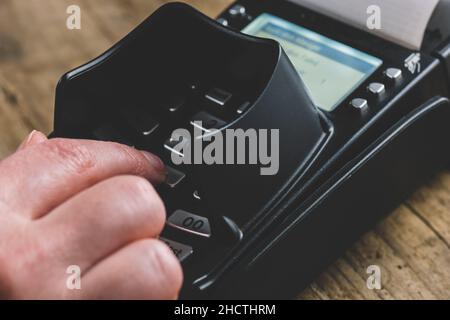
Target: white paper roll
(402, 21)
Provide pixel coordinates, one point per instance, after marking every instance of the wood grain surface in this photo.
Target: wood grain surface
(411, 246)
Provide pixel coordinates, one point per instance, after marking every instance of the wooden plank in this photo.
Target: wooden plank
(411, 246)
(432, 205)
(413, 259)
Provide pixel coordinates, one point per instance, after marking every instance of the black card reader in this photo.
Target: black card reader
(356, 132)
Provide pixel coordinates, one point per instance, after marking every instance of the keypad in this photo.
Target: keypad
(196, 109)
(393, 74)
(206, 122)
(359, 103)
(181, 251)
(218, 96)
(376, 89)
(190, 222)
(174, 177)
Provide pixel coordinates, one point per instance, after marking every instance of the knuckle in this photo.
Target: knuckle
(144, 199)
(134, 157)
(69, 153)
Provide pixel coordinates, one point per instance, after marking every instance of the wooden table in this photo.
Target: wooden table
(412, 246)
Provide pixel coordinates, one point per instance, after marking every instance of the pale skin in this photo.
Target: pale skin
(86, 203)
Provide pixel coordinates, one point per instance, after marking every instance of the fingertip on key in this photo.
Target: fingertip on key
(155, 161)
(157, 164)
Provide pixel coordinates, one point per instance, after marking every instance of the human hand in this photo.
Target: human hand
(85, 203)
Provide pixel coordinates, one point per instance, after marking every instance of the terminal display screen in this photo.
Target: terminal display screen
(330, 70)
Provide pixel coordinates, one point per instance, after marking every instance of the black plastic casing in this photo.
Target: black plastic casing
(161, 58)
(370, 164)
(340, 172)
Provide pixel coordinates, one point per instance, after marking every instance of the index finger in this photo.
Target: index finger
(42, 176)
